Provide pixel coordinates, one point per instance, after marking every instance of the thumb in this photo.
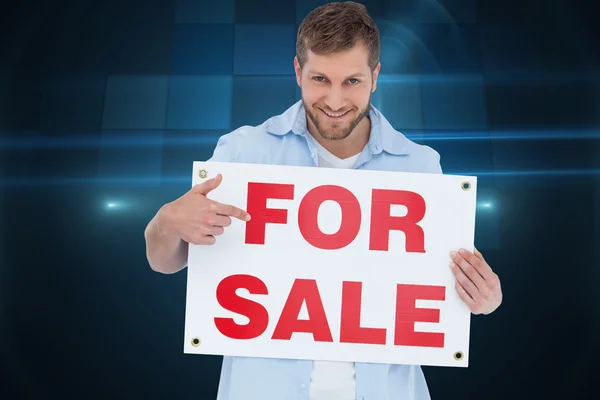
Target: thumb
(208, 186)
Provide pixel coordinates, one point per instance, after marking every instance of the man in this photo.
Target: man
(334, 126)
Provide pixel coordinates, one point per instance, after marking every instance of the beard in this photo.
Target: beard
(336, 133)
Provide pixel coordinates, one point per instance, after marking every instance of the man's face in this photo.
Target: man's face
(336, 90)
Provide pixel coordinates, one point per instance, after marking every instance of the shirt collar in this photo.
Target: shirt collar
(383, 136)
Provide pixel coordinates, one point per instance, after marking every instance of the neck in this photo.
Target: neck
(349, 146)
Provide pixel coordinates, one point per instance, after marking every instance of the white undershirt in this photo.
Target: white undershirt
(331, 380)
(328, 160)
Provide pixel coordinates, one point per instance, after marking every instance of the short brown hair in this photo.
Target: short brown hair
(336, 27)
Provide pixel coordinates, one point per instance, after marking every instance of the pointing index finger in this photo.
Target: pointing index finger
(232, 211)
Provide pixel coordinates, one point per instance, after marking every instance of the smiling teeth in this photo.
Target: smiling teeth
(334, 115)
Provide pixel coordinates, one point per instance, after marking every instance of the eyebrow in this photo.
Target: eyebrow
(359, 74)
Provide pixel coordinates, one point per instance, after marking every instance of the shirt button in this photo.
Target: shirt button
(302, 386)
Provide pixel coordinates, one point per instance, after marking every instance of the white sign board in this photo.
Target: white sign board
(340, 265)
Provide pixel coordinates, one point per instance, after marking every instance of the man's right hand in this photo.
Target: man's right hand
(195, 218)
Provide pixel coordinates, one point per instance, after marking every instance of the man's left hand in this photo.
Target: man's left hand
(476, 283)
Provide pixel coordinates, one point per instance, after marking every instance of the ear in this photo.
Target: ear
(375, 75)
(298, 71)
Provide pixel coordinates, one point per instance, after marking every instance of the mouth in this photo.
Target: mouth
(335, 116)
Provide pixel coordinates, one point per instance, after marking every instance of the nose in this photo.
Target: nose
(335, 99)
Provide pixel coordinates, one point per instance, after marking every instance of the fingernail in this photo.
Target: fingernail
(453, 254)
(248, 217)
(451, 265)
(462, 251)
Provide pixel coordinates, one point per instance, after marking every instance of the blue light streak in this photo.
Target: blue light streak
(145, 181)
(204, 139)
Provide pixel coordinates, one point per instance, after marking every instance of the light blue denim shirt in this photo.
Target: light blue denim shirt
(285, 140)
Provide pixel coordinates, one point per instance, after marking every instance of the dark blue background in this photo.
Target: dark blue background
(104, 105)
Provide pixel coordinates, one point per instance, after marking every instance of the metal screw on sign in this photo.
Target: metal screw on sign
(465, 186)
(196, 342)
(458, 355)
(203, 173)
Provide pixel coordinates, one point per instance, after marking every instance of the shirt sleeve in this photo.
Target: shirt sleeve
(226, 150)
(436, 164)
(430, 163)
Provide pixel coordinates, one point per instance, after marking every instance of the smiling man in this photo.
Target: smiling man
(333, 126)
(337, 69)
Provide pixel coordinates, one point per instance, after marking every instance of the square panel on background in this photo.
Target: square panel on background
(264, 49)
(402, 12)
(131, 155)
(182, 148)
(454, 103)
(199, 102)
(63, 154)
(556, 104)
(408, 12)
(135, 102)
(525, 48)
(448, 11)
(510, 12)
(545, 155)
(99, 38)
(399, 100)
(257, 98)
(72, 104)
(130, 38)
(449, 48)
(460, 155)
(400, 48)
(265, 12)
(203, 49)
(24, 109)
(205, 12)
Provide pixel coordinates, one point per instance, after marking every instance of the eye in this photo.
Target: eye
(319, 79)
(353, 81)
